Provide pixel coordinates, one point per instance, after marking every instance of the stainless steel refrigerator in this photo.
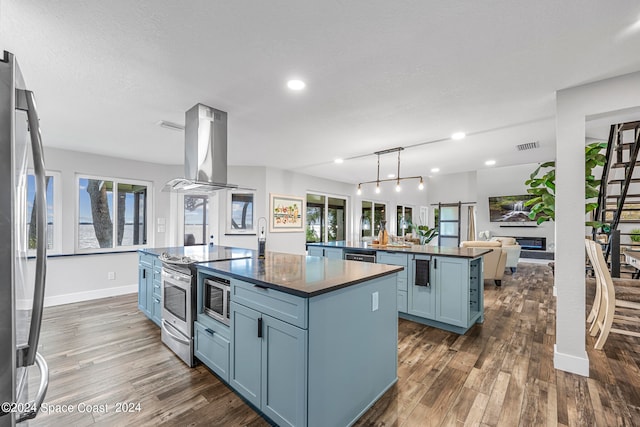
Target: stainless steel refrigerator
(21, 303)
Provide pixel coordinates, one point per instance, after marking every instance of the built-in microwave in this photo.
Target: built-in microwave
(217, 294)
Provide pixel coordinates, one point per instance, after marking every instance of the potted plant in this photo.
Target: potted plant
(426, 234)
(635, 235)
(543, 206)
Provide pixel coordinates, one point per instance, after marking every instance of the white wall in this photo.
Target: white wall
(573, 107)
(78, 277)
(477, 187)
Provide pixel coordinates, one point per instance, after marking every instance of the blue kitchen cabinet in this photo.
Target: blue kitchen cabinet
(333, 253)
(212, 346)
(401, 259)
(149, 287)
(421, 296)
(268, 364)
(451, 280)
(246, 353)
(315, 251)
(156, 291)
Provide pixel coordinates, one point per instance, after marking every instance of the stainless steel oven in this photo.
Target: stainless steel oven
(177, 310)
(217, 298)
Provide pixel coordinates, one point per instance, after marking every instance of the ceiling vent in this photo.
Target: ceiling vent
(528, 146)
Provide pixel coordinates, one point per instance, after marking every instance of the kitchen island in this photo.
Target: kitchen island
(311, 342)
(441, 287)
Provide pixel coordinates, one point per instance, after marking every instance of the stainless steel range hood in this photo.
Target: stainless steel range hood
(205, 152)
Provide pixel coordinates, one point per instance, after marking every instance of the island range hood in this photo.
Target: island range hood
(205, 152)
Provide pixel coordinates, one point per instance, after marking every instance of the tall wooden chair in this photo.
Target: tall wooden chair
(624, 295)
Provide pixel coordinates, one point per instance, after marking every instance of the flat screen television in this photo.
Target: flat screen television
(510, 209)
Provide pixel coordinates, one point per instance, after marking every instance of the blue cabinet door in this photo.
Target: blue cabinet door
(284, 372)
(421, 300)
(212, 348)
(142, 289)
(333, 253)
(315, 251)
(246, 353)
(452, 301)
(391, 258)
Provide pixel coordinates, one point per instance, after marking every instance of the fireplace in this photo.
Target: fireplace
(532, 243)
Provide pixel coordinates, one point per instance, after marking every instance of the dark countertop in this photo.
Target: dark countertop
(300, 275)
(204, 253)
(414, 249)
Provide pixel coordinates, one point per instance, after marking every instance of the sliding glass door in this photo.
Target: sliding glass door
(326, 218)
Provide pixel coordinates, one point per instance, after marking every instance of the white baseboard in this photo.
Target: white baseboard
(89, 295)
(569, 363)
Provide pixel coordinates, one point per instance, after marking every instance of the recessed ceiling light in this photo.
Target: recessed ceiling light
(435, 170)
(296, 84)
(490, 162)
(391, 175)
(338, 161)
(458, 135)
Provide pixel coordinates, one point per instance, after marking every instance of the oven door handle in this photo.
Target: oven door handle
(175, 337)
(184, 278)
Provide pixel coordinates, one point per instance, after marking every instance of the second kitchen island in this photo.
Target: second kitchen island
(311, 342)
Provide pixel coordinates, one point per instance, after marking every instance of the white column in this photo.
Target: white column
(573, 107)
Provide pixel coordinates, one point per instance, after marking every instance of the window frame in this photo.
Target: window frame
(325, 213)
(115, 180)
(56, 247)
(374, 204)
(404, 207)
(206, 217)
(229, 214)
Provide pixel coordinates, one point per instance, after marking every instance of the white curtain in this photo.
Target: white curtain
(471, 230)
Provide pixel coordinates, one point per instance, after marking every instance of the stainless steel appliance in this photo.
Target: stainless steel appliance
(20, 305)
(178, 302)
(363, 257)
(205, 152)
(217, 297)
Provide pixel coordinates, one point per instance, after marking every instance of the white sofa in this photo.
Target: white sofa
(494, 261)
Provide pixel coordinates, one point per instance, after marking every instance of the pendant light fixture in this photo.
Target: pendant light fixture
(397, 179)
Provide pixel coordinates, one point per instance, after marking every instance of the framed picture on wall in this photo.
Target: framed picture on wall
(286, 213)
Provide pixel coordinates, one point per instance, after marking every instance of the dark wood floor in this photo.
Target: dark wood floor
(499, 373)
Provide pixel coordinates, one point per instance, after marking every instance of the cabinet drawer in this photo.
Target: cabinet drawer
(333, 253)
(157, 290)
(212, 348)
(146, 260)
(286, 307)
(157, 310)
(391, 258)
(402, 301)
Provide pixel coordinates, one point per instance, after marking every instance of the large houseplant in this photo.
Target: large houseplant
(543, 206)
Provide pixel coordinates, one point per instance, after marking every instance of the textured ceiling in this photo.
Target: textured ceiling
(379, 74)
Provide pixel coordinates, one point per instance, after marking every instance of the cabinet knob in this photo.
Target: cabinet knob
(209, 331)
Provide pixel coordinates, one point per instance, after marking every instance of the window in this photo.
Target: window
(404, 220)
(326, 218)
(196, 220)
(100, 226)
(54, 234)
(372, 214)
(240, 212)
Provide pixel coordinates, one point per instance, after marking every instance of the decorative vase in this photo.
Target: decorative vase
(383, 237)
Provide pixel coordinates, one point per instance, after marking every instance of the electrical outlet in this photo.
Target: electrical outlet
(374, 301)
(111, 275)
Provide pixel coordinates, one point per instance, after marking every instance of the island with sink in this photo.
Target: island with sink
(440, 286)
(310, 341)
